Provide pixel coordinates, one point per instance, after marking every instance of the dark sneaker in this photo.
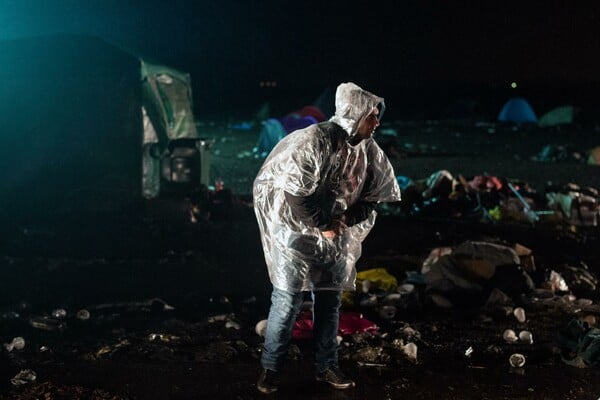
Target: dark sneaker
(267, 382)
(335, 378)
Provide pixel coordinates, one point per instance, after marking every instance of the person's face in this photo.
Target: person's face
(367, 125)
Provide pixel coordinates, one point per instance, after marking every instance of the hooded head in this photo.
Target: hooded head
(353, 104)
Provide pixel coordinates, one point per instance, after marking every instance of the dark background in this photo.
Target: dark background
(422, 56)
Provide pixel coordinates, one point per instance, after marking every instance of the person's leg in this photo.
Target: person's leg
(326, 314)
(282, 315)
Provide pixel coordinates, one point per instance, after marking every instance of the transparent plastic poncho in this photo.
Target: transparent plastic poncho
(308, 162)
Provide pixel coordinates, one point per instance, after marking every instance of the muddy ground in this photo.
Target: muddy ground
(129, 276)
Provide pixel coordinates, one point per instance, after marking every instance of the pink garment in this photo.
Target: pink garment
(350, 322)
(485, 183)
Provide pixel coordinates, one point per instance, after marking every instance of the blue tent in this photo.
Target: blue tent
(274, 129)
(517, 110)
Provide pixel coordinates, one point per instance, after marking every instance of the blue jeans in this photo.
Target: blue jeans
(285, 307)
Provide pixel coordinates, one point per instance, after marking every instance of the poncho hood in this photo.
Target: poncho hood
(352, 104)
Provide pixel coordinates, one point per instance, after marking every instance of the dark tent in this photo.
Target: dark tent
(72, 130)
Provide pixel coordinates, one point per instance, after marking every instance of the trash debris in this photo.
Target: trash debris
(24, 377)
(47, 324)
(441, 301)
(406, 288)
(517, 360)
(165, 338)
(83, 315)
(261, 328)
(154, 304)
(18, 343)
(498, 298)
(556, 283)
(526, 337)
(579, 344)
(519, 314)
(59, 313)
(232, 325)
(366, 286)
(104, 350)
(371, 354)
(377, 278)
(510, 336)
(218, 318)
(387, 312)
(410, 349)
(369, 301)
(469, 352)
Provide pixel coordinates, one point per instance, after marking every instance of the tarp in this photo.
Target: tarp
(517, 110)
(72, 127)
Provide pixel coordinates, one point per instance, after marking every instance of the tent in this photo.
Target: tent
(271, 133)
(174, 158)
(557, 116)
(274, 129)
(72, 118)
(517, 110)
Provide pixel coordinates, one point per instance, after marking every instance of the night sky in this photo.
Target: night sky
(229, 47)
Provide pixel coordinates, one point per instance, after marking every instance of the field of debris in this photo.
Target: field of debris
(467, 289)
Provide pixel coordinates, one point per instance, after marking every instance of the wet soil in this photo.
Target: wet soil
(212, 273)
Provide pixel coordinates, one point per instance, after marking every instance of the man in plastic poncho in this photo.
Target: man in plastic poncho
(314, 199)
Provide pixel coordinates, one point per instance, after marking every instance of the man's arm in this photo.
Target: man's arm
(358, 212)
(306, 209)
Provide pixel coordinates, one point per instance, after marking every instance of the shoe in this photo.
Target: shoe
(335, 378)
(267, 382)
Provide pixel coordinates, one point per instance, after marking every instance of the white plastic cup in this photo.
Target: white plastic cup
(261, 328)
(406, 288)
(410, 349)
(387, 312)
(519, 314)
(517, 360)
(509, 336)
(366, 286)
(526, 337)
(83, 314)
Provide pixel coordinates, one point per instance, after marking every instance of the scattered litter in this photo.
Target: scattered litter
(469, 352)
(526, 337)
(232, 325)
(510, 336)
(47, 324)
(519, 314)
(410, 349)
(556, 283)
(83, 315)
(104, 350)
(17, 343)
(387, 312)
(517, 360)
(165, 338)
(441, 301)
(24, 377)
(261, 327)
(59, 313)
(406, 288)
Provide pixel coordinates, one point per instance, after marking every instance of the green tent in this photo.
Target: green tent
(558, 116)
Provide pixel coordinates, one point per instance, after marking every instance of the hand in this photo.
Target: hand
(329, 234)
(336, 227)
